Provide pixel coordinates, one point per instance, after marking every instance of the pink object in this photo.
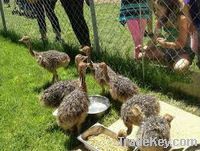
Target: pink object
(137, 29)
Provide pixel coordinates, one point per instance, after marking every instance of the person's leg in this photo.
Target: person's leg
(134, 29)
(40, 16)
(74, 10)
(142, 24)
(137, 28)
(29, 10)
(49, 6)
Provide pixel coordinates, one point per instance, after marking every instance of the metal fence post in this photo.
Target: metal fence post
(94, 26)
(3, 16)
(143, 64)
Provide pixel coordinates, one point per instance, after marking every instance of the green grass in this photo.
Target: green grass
(24, 123)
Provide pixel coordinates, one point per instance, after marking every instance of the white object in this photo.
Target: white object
(98, 104)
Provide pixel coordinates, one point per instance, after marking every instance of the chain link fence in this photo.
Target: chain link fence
(151, 32)
(40, 20)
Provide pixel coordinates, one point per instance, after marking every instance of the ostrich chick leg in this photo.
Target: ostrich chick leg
(55, 77)
(103, 90)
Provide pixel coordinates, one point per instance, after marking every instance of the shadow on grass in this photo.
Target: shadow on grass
(116, 105)
(53, 127)
(155, 77)
(42, 87)
(71, 142)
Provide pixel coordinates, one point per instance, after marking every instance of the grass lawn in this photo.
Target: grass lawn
(24, 123)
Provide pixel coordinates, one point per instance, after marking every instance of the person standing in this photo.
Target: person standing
(74, 10)
(46, 6)
(135, 13)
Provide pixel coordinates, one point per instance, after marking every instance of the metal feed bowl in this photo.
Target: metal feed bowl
(98, 105)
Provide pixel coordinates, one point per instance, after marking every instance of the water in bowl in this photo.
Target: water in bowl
(96, 107)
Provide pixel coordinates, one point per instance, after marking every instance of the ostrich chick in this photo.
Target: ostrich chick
(158, 129)
(87, 50)
(136, 109)
(72, 112)
(121, 88)
(50, 60)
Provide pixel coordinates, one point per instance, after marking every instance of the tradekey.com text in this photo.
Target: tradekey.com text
(157, 142)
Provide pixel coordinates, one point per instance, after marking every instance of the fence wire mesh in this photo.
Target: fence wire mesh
(164, 32)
